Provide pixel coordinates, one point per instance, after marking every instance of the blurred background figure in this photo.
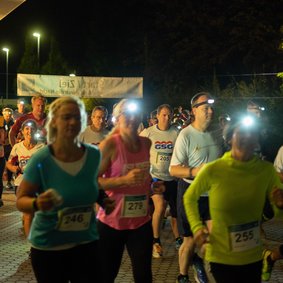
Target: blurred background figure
(38, 103)
(254, 108)
(20, 111)
(224, 120)
(152, 120)
(96, 132)
(2, 157)
(19, 156)
(8, 123)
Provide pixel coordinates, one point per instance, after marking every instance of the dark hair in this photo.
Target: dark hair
(29, 122)
(238, 122)
(197, 96)
(100, 108)
(160, 107)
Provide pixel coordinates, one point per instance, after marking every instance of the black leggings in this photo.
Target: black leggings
(76, 265)
(223, 273)
(111, 248)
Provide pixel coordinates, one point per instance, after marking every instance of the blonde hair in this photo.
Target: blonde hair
(55, 106)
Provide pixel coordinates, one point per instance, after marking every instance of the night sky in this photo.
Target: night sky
(172, 46)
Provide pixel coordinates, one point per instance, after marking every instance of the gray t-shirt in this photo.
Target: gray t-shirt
(91, 137)
(192, 147)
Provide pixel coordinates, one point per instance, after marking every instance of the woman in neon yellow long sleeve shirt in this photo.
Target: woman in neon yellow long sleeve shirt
(238, 184)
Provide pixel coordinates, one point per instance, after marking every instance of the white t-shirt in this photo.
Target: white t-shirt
(161, 150)
(278, 162)
(21, 154)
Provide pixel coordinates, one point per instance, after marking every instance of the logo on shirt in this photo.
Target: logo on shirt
(163, 145)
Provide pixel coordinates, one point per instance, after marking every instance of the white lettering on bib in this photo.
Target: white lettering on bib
(245, 236)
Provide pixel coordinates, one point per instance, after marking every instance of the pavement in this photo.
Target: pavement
(15, 264)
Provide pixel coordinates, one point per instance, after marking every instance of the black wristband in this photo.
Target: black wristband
(34, 204)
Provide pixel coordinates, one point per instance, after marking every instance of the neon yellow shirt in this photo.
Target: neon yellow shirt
(237, 192)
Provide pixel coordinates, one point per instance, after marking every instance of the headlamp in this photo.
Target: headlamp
(247, 121)
(208, 101)
(131, 108)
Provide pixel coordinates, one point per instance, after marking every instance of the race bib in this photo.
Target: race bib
(134, 206)
(163, 160)
(244, 237)
(74, 218)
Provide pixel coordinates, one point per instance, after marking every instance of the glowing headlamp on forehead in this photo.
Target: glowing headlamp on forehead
(209, 101)
(132, 107)
(247, 121)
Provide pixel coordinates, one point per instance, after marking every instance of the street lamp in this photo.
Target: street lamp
(36, 34)
(7, 68)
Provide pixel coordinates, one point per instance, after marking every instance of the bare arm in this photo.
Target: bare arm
(281, 176)
(28, 202)
(181, 171)
(108, 151)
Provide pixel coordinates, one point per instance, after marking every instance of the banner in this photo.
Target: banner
(7, 6)
(84, 87)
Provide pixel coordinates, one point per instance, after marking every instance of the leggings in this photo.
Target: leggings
(111, 248)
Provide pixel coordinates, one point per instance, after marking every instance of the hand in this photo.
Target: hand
(48, 200)
(136, 176)
(109, 205)
(201, 238)
(277, 197)
(158, 187)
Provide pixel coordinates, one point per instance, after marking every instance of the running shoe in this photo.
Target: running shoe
(9, 186)
(157, 250)
(199, 271)
(267, 265)
(178, 243)
(182, 279)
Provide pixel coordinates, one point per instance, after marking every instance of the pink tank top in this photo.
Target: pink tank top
(132, 202)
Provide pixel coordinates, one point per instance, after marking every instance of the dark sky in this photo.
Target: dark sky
(62, 19)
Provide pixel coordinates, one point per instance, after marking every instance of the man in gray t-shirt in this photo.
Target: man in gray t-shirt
(96, 132)
(195, 146)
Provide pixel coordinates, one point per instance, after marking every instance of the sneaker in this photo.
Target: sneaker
(9, 186)
(157, 250)
(199, 271)
(178, 243)
(1, 202)
(182, 279)
(267, 265)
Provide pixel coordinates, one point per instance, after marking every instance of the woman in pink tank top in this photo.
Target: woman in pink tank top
(125, 178)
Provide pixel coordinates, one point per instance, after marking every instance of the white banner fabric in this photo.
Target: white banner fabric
(84, 87)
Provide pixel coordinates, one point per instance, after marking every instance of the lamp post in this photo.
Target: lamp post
(7, 68)
(36, 34)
